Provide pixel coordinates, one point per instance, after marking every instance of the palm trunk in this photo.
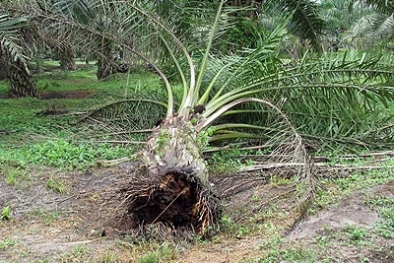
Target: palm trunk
(105, 63)
(67, 57)
(3, 74)
(174, 188)
(20, 80)
(106, 67)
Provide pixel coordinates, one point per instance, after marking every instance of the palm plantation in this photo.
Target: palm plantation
(221, 92)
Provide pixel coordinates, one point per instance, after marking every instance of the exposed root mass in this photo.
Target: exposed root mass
(175, 199)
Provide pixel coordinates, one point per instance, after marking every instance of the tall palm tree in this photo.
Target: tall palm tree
(66, 55)
(13, 58)
(374, 28)
(382, 6)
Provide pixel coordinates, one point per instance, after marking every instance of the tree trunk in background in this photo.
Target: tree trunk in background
(106, 64)
(2, 72)
(173, 188)
(106, 67)
(19, 77)
(67, 57)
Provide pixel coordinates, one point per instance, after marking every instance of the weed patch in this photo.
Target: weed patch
(60, 187)
(64, 154)
(5, 213)
(162, 253)
(7, 243)
(47, 216)
(77, 254)
(287, 255)
(385, 207)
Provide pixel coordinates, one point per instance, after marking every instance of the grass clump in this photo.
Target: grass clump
(287, 255)
(385, 208)
(162, 253)
(60, 187)
(77, 254)
(13, 175)
(5, 213)
(7, 243)
(47, 216)
(64, 154)
(356, 233)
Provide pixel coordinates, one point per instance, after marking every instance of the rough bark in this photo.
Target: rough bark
(67, 57)
(106, 64)
(3, 74)
(106, 67)
(174, 187)
(16, 71)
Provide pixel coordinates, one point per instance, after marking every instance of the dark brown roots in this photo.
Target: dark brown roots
(175, 199)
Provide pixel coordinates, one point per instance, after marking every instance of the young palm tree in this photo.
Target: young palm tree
(13, 58)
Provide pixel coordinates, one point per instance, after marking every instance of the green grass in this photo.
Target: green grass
(160, 253)
(48, 217)
(333, 190)
(385, 208)
(77, 254)
(15, 175)
(59, 186)
(5, 213)
(60, 141)
(7, 243)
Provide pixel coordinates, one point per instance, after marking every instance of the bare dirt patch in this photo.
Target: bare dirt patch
(81, 224)
(70, 94)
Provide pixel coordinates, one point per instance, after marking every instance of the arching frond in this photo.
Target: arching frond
(306, 21)
(383, 6)
(10, 39)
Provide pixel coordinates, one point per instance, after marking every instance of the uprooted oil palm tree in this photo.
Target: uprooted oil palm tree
(13, 59)
(249, 100)
(228, 97)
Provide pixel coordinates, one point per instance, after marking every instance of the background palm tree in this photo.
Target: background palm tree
(13, 59)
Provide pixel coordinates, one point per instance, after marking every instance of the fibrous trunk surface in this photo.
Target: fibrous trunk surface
(67, 57)
(173, 187)
(16, 71)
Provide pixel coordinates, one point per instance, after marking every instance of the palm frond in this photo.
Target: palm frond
(306, 21)
(383, 6)
(10, 38)
(386, 28)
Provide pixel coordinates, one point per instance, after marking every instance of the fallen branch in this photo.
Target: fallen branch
(270, 166)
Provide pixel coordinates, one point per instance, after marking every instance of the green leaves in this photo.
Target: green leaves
(10, 24)
(383, 6)
(10, 38)
(5, 213)
(306, 21)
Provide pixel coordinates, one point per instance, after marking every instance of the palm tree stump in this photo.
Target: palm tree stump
(173, 188)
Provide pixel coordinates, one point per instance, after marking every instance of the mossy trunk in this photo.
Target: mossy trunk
(174, 187)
